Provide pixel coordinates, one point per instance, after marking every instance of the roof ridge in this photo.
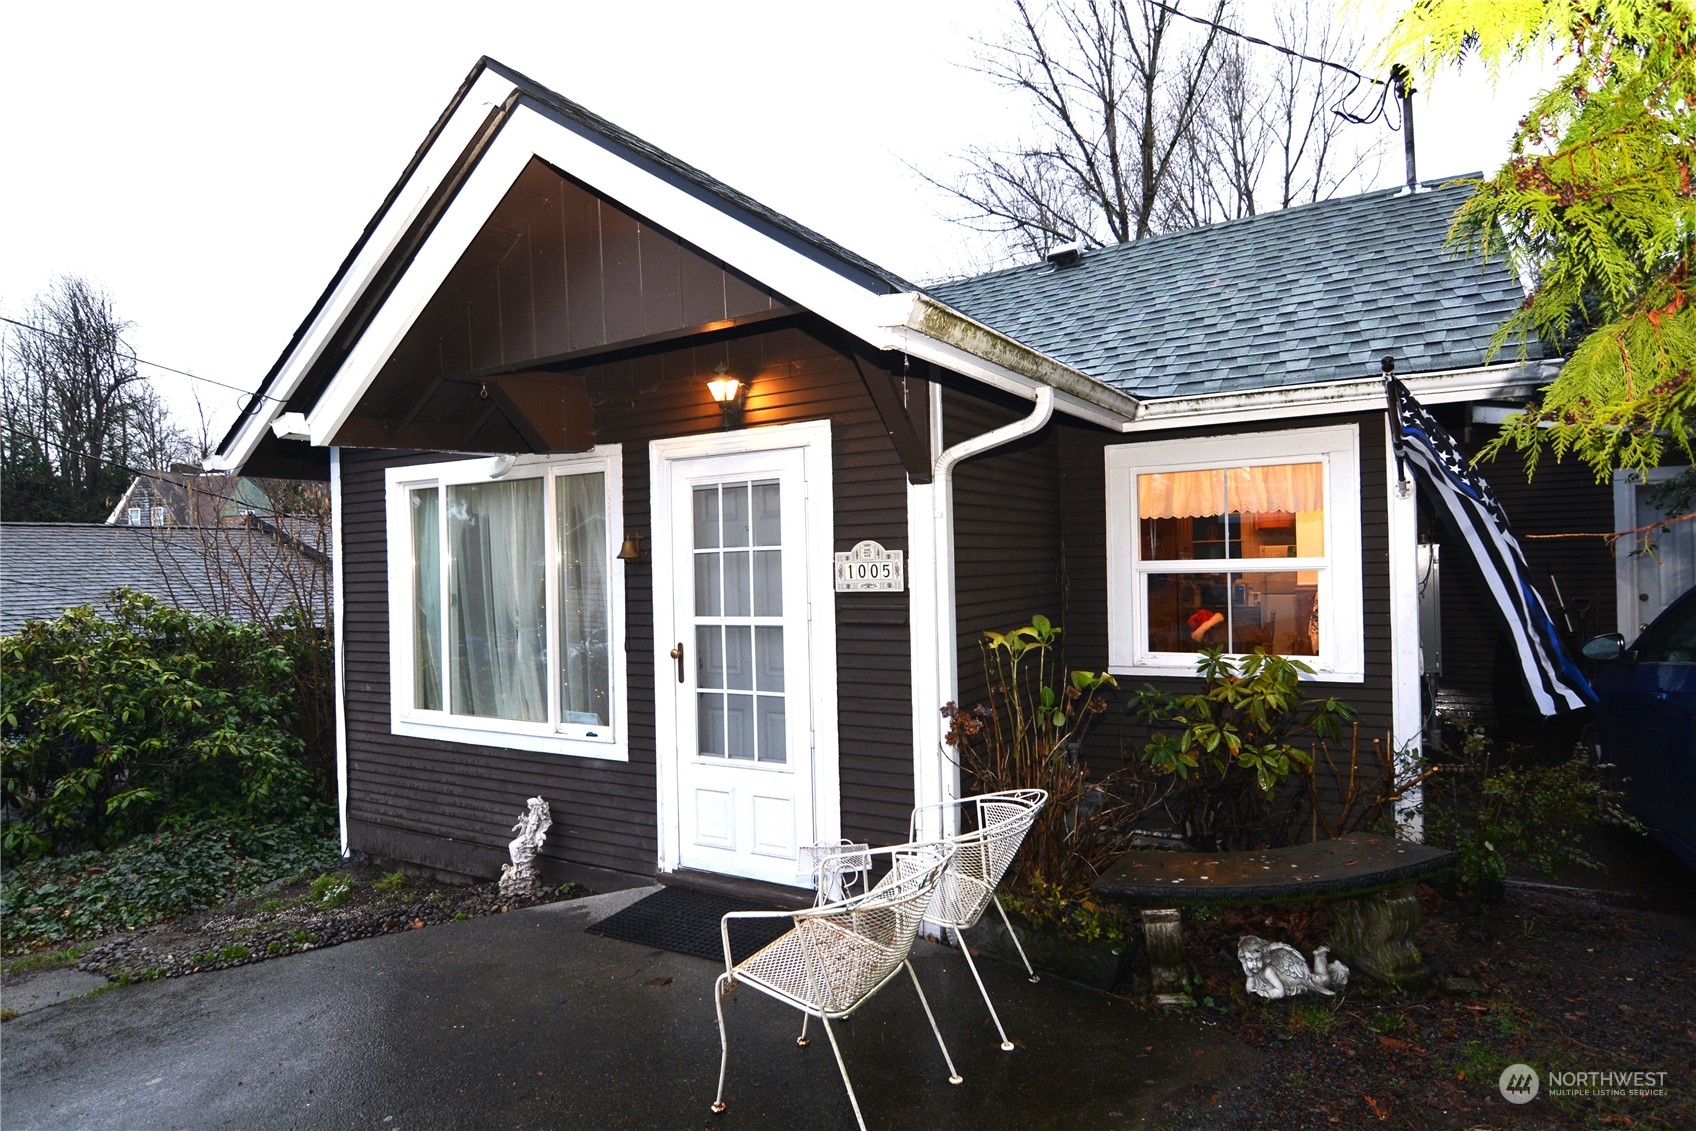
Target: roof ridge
(1429, 189)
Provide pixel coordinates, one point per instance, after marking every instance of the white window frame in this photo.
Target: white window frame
(1342, 646)
(579, 740)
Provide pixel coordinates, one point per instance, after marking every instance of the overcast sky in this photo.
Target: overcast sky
(211, 164)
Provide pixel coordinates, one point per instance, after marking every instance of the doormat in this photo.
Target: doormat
(687, 921)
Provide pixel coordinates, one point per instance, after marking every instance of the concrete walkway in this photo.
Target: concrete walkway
(525, 1021)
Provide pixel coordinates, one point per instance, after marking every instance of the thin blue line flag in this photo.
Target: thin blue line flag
(1470, 510)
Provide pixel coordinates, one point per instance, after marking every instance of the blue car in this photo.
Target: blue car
(1646, 721)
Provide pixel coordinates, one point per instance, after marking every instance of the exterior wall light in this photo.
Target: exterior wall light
(728, 392)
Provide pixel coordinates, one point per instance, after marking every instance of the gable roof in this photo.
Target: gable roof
(1309, 294)
(496, 125)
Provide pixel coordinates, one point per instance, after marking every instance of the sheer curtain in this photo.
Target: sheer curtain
(497, 595)
(585, 675)
(426, 599)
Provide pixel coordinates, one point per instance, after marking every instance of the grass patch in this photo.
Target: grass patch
(332, 889)
(1311, 1015)
(393, 881)
(45, 959)
(59, 900)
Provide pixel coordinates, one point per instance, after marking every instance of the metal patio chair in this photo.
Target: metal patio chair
(838, 868)
(839, 954)
(981, 857)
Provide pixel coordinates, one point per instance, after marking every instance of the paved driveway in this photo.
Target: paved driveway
(523, 1020)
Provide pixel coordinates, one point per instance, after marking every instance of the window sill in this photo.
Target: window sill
(492, 734)
(1180, 668)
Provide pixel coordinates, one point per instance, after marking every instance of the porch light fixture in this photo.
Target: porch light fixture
(728, 392)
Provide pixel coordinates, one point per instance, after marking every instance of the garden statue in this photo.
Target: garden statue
(1277, 970)
(519, 877)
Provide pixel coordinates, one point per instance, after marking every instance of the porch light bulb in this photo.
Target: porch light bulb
(724, 387)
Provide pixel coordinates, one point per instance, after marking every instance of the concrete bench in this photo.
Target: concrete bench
(1370, 878)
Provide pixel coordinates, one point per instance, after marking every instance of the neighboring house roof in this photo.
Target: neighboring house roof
(1318, 292)
(189, 499)
(48, 567)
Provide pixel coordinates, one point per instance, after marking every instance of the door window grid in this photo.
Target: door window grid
(738, 581)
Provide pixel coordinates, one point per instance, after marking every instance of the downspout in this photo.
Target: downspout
(936, 675)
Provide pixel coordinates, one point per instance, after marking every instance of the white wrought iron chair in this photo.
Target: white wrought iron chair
(839, 954)
(982, 854)
(838, 868)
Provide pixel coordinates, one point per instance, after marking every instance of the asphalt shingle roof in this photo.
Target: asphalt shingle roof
(48, 567)
(1313, 293)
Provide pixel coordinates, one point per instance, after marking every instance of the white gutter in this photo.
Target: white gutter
(935, 628)
(1507, 381)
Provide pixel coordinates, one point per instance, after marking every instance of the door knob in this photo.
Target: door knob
(677, 654)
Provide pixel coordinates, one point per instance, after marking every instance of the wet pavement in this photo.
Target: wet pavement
(525, 1021)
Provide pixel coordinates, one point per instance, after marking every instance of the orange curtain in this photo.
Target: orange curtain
(1284, 488)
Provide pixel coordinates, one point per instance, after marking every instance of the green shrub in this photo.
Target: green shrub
(1026, 736)
(1234, 744)
(146, 719)
(61, 899)
(1493, 811)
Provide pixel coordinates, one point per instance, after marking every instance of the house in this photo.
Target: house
(175, 498)
(711, 634)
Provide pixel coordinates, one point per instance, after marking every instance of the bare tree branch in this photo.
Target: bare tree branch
(1149, 120)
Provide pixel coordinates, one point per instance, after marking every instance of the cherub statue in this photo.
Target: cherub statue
(1277, 969)
(519, 877)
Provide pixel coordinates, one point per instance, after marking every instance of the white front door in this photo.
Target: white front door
(739, 661)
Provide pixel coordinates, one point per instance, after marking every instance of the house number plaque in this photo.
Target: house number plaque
(870, 566)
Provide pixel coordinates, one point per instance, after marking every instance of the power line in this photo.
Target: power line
(1377, 111)
(143, 361)
(1228, 30)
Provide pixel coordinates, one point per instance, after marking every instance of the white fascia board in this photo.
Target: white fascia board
(487, 92)
(1486, 382)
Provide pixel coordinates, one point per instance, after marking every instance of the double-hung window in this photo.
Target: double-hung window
(1236, 542)
(506, 603)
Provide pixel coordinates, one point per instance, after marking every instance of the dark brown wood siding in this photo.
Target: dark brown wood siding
(451, 806)
(1007, 541)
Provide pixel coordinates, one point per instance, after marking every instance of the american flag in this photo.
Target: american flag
(1470, 510)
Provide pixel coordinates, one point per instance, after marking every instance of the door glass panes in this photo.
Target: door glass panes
(738, 588)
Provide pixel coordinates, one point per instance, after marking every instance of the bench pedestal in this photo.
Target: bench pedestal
(1374, 934)
(1163, 942)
